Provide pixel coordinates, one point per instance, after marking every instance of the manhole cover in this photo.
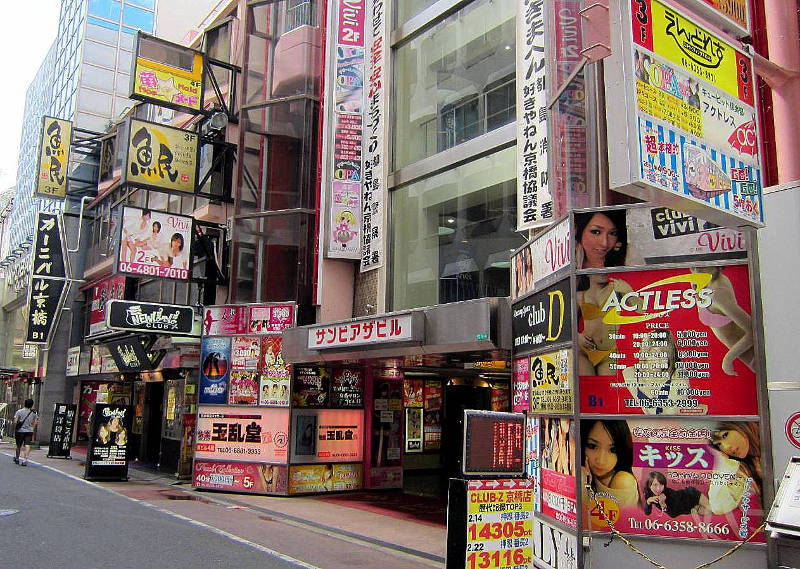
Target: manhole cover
(8, 512)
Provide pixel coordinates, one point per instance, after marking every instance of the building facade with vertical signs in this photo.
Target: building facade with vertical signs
(324, 229)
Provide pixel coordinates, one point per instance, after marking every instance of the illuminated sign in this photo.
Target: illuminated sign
(167, 74)
(494, 443)
(155, 244)
(54, 151)
(385, 329)
(149, 317)
(246, 434)
(160, 157)
(542, 319)
(327, 435)
(49, 269)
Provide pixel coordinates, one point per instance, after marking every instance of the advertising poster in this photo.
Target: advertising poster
(521, 384)
(327, 435)
(432, 418)
(275, 375)
(546, 255)
(311, 386)
(551, 382)
(663, 235)
(347, 148)
(542, 319)
(215, 358)
(557, 466)
(227, 320)
(242, 434)
(316, 478)
(112, 288)
(414, 418)
(532, 458)
(697, 134)
(667, 342)
(266, 318)
(386, 446)
(499, 523)
(243, 388)
(500, 397)
(346, 215)
(347, 388)
(155, 244)
(349, 79)
(161, 157)
(412, 393)
(107, 453)
(245, 477)
(54, 152)
(245, 352)
(674, 477)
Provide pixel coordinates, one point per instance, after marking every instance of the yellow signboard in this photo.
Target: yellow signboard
(161, 157)
(682, 42)
(54, 146)
(167, 74)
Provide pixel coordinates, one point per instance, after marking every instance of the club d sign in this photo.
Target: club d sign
(149, 317)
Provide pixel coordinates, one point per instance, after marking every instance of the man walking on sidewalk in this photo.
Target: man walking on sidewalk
(25, 422)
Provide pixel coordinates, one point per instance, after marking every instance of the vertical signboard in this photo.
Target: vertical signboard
(372, 198)
(557, 455)
(215, 370)
(687, 135)
(111, 288)
(107, 454)
(61, 433)
(48, 279)
(54, 152)
(167, 74)
(535, 206)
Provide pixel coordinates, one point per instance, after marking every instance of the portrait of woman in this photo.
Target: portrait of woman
(607, 453)
(729, 321)
(674, 503)
(601, 242)
(558, 446)
(738, 461)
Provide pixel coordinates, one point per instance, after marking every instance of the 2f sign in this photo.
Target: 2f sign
(351, 22)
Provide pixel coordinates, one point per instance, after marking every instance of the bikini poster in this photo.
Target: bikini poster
(674, 478)
(558, 469)
(667, 342)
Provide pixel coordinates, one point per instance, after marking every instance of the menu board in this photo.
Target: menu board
(61, 433)
(107, 454)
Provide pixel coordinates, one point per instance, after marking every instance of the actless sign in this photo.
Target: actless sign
(149, 317)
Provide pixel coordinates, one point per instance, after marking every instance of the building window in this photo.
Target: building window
(105, 9)
(137, 18)
(454, 81)
(299, 13)
(453, 233)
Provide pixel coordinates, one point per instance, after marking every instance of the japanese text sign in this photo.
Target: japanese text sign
(242, 434)
(161, 157)
(54, 152)
(386, 329)
(155, 244)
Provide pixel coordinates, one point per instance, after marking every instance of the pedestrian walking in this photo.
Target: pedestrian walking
(26, 420)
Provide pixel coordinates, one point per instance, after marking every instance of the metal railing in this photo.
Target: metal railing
(299, 14)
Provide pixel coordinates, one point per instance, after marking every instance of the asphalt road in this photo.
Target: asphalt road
(51, 520)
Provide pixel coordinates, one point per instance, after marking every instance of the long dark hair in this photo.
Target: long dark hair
(750, 463)
(621, 437)
(614, 258)
(654, 476)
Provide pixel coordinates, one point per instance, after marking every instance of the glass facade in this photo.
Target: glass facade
(454, 81)
(453, 231)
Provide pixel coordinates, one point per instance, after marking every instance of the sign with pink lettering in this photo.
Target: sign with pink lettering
(225, 320)
(351, 22)
(522, 385)
(386, 329)
(245, 477)
(266, 318)
(155, 244)
(547, 254)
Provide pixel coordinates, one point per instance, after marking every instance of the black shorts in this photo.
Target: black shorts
(23, 438)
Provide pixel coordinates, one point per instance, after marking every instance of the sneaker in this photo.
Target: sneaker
(16, 461)
(24, 463)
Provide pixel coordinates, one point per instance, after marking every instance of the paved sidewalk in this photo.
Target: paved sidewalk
(421, 541)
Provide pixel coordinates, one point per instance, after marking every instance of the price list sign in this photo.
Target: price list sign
(499, 524)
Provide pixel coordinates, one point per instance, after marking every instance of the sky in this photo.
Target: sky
(27, 30)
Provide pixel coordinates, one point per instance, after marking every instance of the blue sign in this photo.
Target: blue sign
(215, 369)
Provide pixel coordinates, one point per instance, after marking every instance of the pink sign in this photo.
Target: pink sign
(240, 477)
(245, 352)
(270, 318)
(351, 22)
(522, 385)
(246, 434)
(226, 320)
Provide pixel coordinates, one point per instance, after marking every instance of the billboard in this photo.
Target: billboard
(667, 342)
(225, 320)
(686, 134)
(327, 435)
(247, 477)
(54, 152)
(111, 288)
(155, 244)
(250, 434)
(545, 255)
(167, 74)
(551, 382)
(49, 271)
(107, 454)
(156, 318)
(542, 319)
(557, 469)
(245, 352)
(160, 157)
(674, 478)
(317, 478)
(275, 374)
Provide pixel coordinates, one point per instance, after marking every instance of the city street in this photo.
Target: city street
(50, 516)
